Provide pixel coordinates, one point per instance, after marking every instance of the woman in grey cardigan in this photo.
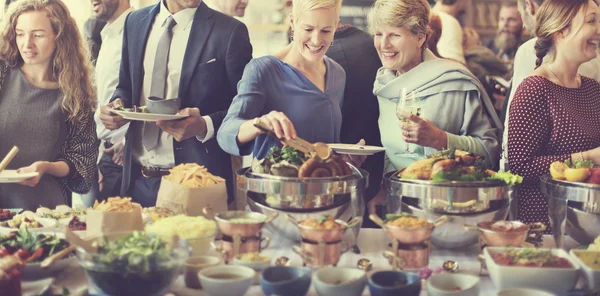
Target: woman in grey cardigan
(46, 105)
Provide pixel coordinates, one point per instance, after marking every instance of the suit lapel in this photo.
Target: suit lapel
(201, 29)
(144, 27)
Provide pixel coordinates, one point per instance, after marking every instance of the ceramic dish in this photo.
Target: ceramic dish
(226, 280)
(340, 281)
(592, 275)
(554, 280)
(453, 284)
(49, 225)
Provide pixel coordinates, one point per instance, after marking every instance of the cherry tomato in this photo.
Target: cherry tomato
(23, 254)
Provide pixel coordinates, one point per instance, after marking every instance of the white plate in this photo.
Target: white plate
(354, 149)
(49, 225)
(139, 116)
(11, 176)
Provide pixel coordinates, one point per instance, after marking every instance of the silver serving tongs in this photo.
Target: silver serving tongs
(319, 150)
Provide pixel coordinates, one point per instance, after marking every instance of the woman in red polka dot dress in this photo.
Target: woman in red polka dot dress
(555, 114)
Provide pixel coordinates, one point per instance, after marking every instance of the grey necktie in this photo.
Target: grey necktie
(151, 131)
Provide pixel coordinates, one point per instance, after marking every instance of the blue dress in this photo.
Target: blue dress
(270, 84)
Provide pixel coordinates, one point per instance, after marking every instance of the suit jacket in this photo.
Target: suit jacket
(207, 86)
(353, 49)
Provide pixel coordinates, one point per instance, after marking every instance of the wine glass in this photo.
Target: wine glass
(408, 103)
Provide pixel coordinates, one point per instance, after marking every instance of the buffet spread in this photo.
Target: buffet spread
(445, 234)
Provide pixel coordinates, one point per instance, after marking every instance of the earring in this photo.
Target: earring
(291, 36)
(331, 43)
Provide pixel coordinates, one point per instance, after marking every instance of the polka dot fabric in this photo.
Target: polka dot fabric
(547, 123)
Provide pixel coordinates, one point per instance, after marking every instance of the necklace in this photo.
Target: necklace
(561, 82)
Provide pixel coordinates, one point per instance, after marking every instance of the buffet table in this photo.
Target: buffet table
(371, 242)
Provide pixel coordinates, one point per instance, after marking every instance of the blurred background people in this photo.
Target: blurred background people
(449, 43)
(47, 102)
(235, 8)
(510, 32)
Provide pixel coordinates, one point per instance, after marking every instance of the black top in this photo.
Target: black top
(353, 49)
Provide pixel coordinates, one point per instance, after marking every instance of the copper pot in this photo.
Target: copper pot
(326, 235)
(409, 236)
(517, 238)
(231, 247)
(321, 253)
(228, 228)
(408, 256)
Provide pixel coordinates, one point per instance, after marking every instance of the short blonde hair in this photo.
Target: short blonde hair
(410, 14)
(300, 6)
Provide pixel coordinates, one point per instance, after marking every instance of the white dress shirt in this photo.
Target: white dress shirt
(108, 65)
(524, 65)
(162, 155)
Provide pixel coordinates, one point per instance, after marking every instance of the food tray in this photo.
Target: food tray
(452, 197)
(572, 191)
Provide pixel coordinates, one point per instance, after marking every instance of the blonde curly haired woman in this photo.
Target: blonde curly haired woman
(46, 105)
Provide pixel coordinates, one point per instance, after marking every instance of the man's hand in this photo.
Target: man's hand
(117, 153)
(191, 126)
(111, 121)
(39, 166)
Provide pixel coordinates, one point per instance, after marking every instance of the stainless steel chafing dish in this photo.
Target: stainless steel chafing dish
(303, 198)
(464, 202)
(573, 208)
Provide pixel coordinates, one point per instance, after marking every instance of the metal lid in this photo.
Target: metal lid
(274, 185)
(574, 191)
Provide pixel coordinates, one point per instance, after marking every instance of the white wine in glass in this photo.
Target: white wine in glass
(407, 103)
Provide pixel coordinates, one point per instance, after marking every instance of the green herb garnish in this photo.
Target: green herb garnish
(323, 219)
(508, 178)
(291, 155)
(392, 217)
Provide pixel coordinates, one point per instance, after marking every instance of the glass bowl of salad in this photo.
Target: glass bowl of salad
(133, 263)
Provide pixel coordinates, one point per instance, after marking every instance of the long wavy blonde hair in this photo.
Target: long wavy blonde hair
(70, 63)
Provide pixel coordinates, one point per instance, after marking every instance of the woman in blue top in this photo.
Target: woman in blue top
(298, 91)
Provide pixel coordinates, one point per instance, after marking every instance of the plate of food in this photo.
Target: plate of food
(33, 224)
(33, 248)
(454, 166)
(141, 114)
(580, 173)
(11, 176)
(353, 149)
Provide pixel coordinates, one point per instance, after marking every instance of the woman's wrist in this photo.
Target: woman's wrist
(442, 140)
(59, 169)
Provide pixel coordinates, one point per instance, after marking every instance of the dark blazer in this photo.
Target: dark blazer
(207, 86)
(353, 49)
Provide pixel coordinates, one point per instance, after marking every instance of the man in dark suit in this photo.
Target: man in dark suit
(353, 49)
(207, 52)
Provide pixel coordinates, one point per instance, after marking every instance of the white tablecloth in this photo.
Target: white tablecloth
(371, 242)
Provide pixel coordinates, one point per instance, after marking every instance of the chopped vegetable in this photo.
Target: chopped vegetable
(32, 247)
(287, 153)
(508, 178)
(138, 253)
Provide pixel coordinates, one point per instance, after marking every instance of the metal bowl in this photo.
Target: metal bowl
(284, 227)
(303, 198)
(321, 234)
(456, 197)
(582, 226)
(231, 229)
(452, 234)
(409, 236)
(495, 238)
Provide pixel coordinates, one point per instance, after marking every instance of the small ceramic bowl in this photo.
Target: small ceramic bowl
(453, 284)
(226, 280)
(284, 280)
(340, 281)
(160, 106)
(392, 283)
(258, 266)
(523, 292)
(193, 265)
